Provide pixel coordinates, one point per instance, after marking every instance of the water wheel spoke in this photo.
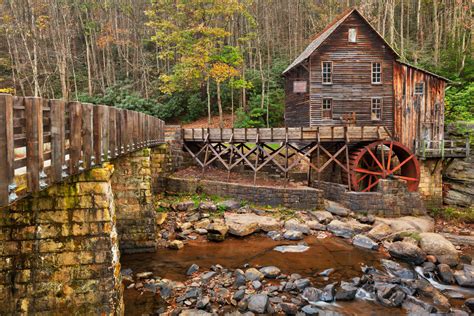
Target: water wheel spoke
(403, 163)
(363, 177)
(371, 185)
(375, 159)
(405, 178)
(390, 153)
(366, 171)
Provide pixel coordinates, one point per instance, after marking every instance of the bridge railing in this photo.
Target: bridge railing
(446, 148)
(45, 141)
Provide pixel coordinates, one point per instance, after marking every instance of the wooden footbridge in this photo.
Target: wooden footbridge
(45, 141)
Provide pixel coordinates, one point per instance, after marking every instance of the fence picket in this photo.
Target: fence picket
(34, 142)
(57, 139)
(6, 147)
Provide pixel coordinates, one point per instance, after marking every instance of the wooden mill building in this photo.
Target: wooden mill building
(350, 76)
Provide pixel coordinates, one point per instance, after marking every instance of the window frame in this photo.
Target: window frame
(331, 73)
(349, 37)
(372, 72)
(330, 110)
(372, 108)
(423, 88)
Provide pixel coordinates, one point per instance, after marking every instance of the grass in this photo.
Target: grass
(457, 214)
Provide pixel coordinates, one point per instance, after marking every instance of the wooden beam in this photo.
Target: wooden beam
(34, 142)
(6, 148)
(57, 139)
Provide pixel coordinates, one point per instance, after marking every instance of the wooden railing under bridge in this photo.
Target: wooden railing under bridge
(257, 147)
(49, 140)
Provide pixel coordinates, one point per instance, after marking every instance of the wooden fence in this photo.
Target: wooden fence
(49, 140)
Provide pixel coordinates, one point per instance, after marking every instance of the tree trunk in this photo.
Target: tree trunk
(219, 105)
(208, 92)
(436, 33)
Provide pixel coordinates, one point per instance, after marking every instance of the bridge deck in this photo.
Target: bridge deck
(291, 134)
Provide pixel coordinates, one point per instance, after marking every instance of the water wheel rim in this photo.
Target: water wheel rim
(366, 179)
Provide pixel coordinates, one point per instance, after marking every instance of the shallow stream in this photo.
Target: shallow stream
(258, 250)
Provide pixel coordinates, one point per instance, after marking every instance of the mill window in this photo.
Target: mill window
(419, 88)
(376, 73)
(376, 109)
(352, 35)
(327, 109)
(327, 72)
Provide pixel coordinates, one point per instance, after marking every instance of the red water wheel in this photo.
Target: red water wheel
(382, 160)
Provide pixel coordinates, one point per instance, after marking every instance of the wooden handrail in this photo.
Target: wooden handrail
(63, 139)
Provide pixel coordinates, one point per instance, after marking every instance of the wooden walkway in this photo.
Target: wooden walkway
(290, 134)
(50, 140)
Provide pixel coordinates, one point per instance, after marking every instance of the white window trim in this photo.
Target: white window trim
(372, 73)
(349, 37)
(381, 108)
(322, 72)
(322, 109)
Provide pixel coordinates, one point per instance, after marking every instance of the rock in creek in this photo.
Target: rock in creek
(312, 294)
(239, 295)
(336, 208)
(408, 223)
(217, 232)
(291, 248)
(194, 312)
(328, 293)
(294, 225)
(229, 205)
(445, 273)
(397, 270)
(470, 304)
(315, 225)
(390, 295)
(293, 235)
(253, 274)
(407, 252)
(207, 207)
(176, 245)
(248, 223)
(310, 310)
(465, 277)
(415, 306)
(346, 292)
(192, 269)
(144, 275)
(437, 245)
(324, 217)
(184, 206)
(380, 232)
(258, 303)
(340, 229)
(270, 272)
(364, 242)
(289, 308)
(202, 224)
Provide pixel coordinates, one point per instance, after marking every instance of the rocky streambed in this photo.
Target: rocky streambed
(224, 258)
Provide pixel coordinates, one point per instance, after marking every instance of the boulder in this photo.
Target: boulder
(217, 232)
(465, 277)
(270, 272)
(346, 292)
(229, 205)
(445, 273)
(203, 302)
(239, 295)
(470, 304)
(358, 227)
(380, 232)
(293, 235)
(364, 242)
(194, 312)
(202, 224)
(310, 310)
(258, 303)
(253, 274)
(184, 206)
(312, 294)
(301, 284)
(257, 285)
(408, 223)
(176, 244)
(407, 252)
(324, 217)
(315, 225)
(207, 207)
(437, 245)
(416, 306)
(340, 229)
(336, 208)
(328, 293)
(247, 223)
(192, 269)
(390, 295)
(294, 224)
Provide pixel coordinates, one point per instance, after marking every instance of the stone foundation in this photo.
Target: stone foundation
(431, 182)
(131, 184)
(391, 199)
(296, 198)
(59, 250)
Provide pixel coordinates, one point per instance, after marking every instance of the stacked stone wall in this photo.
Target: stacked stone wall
(297, 198)
(131, 184)
(431, 182)
(391, 199)
(59, 250)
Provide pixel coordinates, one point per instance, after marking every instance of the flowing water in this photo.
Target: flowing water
(258, 250)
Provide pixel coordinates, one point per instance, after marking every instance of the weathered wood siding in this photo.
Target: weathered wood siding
(351, 89)
(417, 116)
(297, 104)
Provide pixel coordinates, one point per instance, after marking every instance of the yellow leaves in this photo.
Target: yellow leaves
(42, 22)
(220, 72)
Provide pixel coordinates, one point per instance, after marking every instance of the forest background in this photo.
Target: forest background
(183, 60)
